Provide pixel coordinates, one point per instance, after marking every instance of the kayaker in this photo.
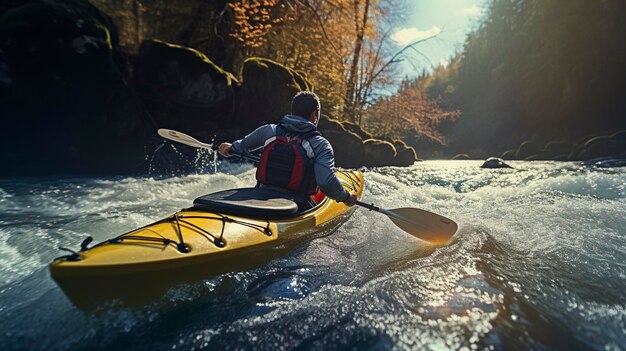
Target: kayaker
(295, 158)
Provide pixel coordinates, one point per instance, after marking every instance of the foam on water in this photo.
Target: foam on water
(538, 262)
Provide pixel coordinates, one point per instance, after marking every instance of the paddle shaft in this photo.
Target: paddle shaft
(370, 207)
(373, 207)
(388, 213)
(248, 157)
(183, 138)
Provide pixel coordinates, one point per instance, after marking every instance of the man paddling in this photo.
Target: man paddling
(295, 158)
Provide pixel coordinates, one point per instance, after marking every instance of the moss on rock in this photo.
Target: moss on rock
(378, 152)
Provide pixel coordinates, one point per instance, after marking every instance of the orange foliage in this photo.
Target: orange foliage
(409, 110)
(253, 20)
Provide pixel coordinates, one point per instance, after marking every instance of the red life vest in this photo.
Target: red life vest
(287, 162)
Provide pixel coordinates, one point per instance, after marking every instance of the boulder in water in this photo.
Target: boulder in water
(347, 146)
(182, 88)
(427, 147)
(494, 162)
(405, 155)
(461, 157)
(528, 150)
(603, 146)
(606, 162)
(558, 150)
(356, 129)
(181, 75)
(509, 154)
(378, 153)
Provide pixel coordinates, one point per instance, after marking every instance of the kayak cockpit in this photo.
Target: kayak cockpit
(256, 203)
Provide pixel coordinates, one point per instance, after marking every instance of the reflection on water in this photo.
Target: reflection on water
(538, 263)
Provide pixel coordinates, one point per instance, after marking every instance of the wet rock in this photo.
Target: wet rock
(606, 162)
(378, 152)
(619, 136)
(266, 92)
(557, 149)
(347, 146)
(613, 145)
(509, 155)
(405, 155)
(183, 89)
(461, 157)
(327, 124)
(600, 146)
(352, 152)
(356, 129)
(427, 147)
(527, 149)
(494, 162)
(65, 104)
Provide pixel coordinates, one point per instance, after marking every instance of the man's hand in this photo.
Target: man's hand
(351, 200)
(224, 149)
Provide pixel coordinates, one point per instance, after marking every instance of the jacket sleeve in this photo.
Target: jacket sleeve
(254, 140)
(325, 172)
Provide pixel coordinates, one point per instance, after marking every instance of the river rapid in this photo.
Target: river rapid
(539, 262)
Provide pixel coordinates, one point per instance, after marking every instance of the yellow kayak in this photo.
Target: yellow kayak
(223, 232)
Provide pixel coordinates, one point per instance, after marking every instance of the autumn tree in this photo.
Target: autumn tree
(409, 110)
(340, 44)
(343, 46)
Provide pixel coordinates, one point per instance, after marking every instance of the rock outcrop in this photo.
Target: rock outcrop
(266, 92)
(351, 151)
(182, 88)
(612, 146)
(64, 102)
(70, 106)
(405, 155)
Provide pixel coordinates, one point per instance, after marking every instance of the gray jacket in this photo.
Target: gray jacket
(324, 162)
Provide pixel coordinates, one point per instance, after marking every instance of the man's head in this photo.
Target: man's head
(306, 104)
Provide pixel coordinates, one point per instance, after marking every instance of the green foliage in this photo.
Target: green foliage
(541, 69)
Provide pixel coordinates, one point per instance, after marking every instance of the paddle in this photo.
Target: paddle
(193, 142)
(422, 224)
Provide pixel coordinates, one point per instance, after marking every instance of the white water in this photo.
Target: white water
(539, 261)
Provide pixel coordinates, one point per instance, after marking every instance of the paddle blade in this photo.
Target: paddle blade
(181, 138)
(424, 225)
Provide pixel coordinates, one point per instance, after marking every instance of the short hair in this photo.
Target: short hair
(303, 103)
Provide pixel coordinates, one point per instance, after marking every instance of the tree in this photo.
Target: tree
(535, 69)
(408, 110)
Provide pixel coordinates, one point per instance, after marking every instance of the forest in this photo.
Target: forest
(533, 70)
(534, 79)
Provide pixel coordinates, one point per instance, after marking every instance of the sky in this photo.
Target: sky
(450, 20)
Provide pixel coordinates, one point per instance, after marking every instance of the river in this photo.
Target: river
(539, 262)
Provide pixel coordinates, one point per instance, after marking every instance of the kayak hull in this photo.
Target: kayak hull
(188, 246)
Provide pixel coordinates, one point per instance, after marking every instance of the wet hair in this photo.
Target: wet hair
(304, 103)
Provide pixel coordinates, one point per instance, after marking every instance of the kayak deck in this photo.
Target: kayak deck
(193, 243)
